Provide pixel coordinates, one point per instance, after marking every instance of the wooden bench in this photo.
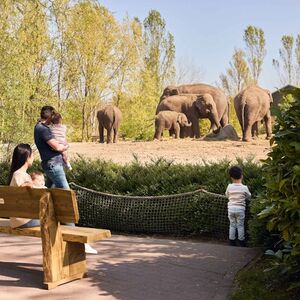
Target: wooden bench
(64, 256)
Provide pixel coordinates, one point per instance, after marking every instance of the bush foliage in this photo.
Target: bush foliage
(163, 177)
(281, 201)
(159, 177)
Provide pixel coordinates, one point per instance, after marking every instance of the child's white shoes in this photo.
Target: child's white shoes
(90, 250)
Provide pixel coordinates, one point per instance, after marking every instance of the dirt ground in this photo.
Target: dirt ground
(179, 151)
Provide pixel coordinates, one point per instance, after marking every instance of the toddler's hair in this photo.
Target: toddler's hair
(235, 172)
(36, 174)
(56, 118)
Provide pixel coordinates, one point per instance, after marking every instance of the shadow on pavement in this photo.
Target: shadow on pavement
(21, 275)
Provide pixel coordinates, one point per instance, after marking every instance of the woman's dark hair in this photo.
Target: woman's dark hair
(47, 112)
(20, 155)
(235, 172)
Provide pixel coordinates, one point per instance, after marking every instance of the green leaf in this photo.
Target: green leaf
(267, 211)
(270, 252)
(296, 145)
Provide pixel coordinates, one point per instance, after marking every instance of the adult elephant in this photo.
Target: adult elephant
(252, 105)
(170, 120)
(202, 88)
(109, 118)
(194, 107)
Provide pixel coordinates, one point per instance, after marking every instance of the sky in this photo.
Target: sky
(207, 32)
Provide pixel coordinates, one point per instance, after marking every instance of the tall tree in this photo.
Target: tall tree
(297, 56)
(254, 38)
(153, 70)
(187, 71)
(288, 66)
(159, 50)
(24, 52)
(75, 55)
(90, 62)
(58, 13)
(237, 76)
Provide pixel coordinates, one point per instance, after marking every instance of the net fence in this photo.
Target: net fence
(199, 212)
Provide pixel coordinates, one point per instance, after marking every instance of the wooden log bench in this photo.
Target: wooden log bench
(64, 256)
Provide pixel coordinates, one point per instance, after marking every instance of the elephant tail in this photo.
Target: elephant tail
(150, 124)
(228, 109)
(243, 115)
(114, 117)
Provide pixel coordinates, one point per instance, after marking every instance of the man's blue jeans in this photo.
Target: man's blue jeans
(56, 176)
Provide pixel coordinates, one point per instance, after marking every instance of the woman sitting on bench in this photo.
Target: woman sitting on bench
(22, 159)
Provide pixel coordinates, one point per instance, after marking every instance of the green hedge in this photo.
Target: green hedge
(162, 177)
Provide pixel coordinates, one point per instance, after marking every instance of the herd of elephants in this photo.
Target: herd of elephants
(181, 107)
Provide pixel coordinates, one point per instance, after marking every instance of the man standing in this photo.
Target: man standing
(50, 151)
(51, 155)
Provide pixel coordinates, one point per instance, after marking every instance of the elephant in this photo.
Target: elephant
(109, 118)
(202, 88)
(170, 120)
(252, 105)
(194, 107)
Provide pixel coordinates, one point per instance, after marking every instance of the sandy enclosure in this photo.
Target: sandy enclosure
(179, 151)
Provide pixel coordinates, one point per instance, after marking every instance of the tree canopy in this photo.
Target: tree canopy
(76, 56)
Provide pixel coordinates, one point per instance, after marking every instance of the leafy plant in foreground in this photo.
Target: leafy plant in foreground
(282, 202)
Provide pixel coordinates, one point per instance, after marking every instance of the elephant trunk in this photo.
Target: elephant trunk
(189, 124)
(215, 119)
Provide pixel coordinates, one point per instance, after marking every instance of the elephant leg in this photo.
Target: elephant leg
(247, 132)
(186, 132)
(190, 131)
(183, 133)
(115, 135)
(171, 132)
(213, 126)
(254, 130)
(268, 125)
(249, 120)
(177, 131)
(158, 133)
(101, 135)
(109, 132)
(196, 128)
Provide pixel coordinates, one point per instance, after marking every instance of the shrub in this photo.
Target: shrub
(282, 202)
(4, 171)
(160, 177)
(202, 214)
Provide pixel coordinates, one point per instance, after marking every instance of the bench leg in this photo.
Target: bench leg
(73, 264)
(62, 261)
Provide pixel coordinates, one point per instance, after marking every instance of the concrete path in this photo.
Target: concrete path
(127, 268)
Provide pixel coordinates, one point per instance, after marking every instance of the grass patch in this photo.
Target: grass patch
(253, 283)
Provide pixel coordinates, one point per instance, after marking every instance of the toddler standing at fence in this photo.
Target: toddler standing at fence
(59, 132)
(237, 194)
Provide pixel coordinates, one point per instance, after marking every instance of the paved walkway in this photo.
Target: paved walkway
(127, 268)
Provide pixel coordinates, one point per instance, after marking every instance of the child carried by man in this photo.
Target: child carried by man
(59, 132)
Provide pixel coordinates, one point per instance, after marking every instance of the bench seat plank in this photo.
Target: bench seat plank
(69, 233)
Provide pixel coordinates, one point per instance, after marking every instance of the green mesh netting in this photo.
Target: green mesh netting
(198, 212)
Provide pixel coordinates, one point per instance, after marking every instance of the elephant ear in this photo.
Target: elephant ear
(179, 118)
(174, 91)
(199, 101)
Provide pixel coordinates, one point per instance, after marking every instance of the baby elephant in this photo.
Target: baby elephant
(170, 120)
